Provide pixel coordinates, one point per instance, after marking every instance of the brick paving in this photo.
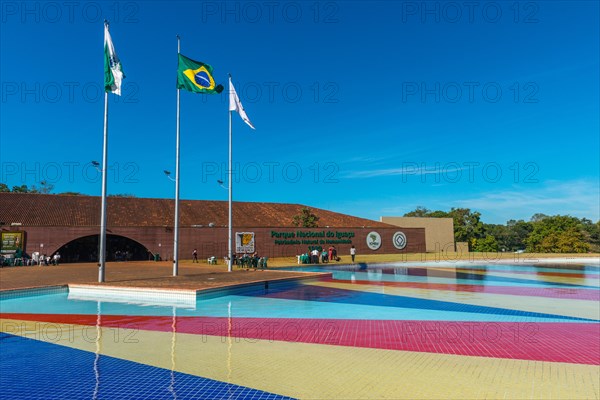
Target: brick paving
(146, 274)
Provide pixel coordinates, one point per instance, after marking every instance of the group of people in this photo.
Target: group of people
(243, 260)
(249, 261)
(319, 254)
(313, 256)
(323, 255)
(43, 259)
(122, 255)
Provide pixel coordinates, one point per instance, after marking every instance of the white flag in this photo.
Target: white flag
(236, 105)
(113, 72)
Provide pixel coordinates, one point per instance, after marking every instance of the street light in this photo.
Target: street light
(222, 184)
(96, 165)
(168, 175)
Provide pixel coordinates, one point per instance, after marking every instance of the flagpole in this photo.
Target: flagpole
(176, 234)
(102, 251)
(230, 236)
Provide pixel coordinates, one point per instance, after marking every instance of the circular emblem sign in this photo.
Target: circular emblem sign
(374, 240)
(399, 240)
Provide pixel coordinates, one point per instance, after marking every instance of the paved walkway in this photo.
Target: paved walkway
(145, 274)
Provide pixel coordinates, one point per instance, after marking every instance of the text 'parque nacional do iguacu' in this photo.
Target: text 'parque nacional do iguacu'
(313, 237)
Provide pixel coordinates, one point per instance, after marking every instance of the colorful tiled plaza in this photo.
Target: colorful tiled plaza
(405, 331)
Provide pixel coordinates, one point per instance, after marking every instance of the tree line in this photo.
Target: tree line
(46, 188)
(541, 234)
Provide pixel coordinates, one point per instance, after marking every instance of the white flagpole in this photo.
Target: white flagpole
(176, 234)
(102, 251)
(230, 237)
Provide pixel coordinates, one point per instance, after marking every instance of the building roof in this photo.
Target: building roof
(63, 210)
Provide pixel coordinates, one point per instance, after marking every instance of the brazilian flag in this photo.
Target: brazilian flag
(196, 77)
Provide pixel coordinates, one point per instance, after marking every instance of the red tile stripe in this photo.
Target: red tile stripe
(577, 343)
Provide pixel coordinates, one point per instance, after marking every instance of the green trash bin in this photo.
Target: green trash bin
(156, 256)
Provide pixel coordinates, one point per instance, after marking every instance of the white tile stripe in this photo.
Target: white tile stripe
(144, 296)
(151, 296)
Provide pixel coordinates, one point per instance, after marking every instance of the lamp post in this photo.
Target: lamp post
(96, 164)
(176, 227)
(230, 223)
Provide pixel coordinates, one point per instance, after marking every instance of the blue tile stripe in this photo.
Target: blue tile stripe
(334, 295)
(30, 369)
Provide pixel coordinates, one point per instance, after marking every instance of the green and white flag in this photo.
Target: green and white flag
(113, 72)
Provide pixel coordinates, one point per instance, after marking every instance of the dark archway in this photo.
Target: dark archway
(118, 248)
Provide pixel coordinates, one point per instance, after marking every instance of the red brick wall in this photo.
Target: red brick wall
(213, 241)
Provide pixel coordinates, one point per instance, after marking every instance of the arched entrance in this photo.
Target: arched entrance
(118, 248)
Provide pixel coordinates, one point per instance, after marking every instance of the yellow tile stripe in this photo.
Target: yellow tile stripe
(565, 307)
(310, 371)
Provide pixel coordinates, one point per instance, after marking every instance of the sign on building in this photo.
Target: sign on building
(244, 242)
(11, 241)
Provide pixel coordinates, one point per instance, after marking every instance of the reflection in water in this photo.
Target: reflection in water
(173, 343)
(374, 274)
(229, 342)
(98, 349)
(474, 274)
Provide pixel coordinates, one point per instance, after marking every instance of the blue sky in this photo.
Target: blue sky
(364, 108)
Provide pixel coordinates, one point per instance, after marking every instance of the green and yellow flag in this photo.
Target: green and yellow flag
(196, 77)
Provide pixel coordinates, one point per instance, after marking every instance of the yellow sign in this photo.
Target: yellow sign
(244, 242)
(11, 241)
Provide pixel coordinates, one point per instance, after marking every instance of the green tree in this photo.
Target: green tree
(45, 188)
(592, 233)
(467, 224)
(423, 212)
(517, 233)
(4, 188)
(557, 234)
(486, 244)
(500, 233)
(306, 219)
(420, 211)
(21, 189)
(538, 217)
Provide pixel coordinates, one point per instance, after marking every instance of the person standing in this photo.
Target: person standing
(195, 256)
(324, 255)
(314, 256)
(352, 253)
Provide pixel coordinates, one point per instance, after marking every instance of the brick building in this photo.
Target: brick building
(141, 228)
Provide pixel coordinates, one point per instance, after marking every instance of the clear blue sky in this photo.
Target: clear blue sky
(365, 108)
